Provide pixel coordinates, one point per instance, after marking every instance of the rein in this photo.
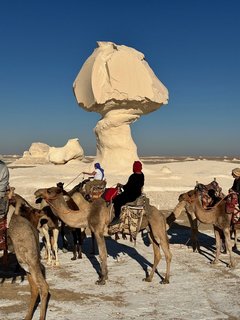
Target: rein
(52, 205)
(74, 179)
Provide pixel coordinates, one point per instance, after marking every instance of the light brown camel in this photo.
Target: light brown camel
(97, 216)
(217, 216)
(24, 238)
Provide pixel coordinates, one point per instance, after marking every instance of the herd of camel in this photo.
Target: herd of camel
(76, 212)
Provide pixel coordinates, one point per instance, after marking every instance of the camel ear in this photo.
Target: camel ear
(59, 190)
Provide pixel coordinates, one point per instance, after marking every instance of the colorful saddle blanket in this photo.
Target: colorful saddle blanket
(232, 206)
(131, 218)
(210, 193)
(3, 233)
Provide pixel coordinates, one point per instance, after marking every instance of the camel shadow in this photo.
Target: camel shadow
(180, 234)
(114, 249)
(12, 271)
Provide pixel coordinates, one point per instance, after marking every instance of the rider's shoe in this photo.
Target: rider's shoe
(115, 220)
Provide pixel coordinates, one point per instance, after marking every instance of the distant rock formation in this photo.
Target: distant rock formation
(41, 153)
(37, 154)
(72, 150)
(118, 83)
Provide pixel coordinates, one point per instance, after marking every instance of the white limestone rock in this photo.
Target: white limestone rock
(39, 150)
(165, 170)
(118, 83)
(72, 150)
(37, 154)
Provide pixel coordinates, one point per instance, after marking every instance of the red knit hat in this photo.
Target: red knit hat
(137, 166)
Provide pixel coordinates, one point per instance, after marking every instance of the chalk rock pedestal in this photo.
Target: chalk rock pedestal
(118, 83)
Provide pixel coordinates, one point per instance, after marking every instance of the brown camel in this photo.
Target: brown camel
(193, 221)
(25, 242)
(213, 194)
(216, 215)
(44, 221)
(97, 216)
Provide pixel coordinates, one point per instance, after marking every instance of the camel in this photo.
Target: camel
(97, 216)
(214, 195)
(216, 215)
(44, 221)
(24, 238)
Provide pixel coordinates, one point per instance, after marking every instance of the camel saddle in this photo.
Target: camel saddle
(131, 218)
(210, 193)
(232, 207)
(98, 190)
(3, 233)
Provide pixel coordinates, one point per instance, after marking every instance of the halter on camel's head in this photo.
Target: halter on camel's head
(49, 193)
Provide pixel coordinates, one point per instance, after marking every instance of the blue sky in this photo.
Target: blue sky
(192, 46)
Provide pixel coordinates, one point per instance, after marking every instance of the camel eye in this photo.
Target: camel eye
(48, 191)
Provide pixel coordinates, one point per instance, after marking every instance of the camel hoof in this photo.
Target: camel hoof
(147, 279)
(73, 258)
(100, 282)
(165, 281)
(231, 265)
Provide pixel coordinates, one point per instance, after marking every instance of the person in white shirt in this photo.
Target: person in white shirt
(98, 178)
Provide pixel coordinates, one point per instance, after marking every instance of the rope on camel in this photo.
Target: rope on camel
(74, 179)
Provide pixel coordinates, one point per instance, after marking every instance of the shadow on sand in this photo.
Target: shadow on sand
(114, 250)
(12, 270)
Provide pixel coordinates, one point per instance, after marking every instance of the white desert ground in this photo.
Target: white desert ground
(197, 289)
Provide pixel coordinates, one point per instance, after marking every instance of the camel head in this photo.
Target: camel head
(189, 196)
(48, 193)
(10, 193)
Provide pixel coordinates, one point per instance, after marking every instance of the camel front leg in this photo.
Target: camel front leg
(45, 232)
(194, 235)
(55, 245)
(226, 232)
(235, 235)
(102, 257)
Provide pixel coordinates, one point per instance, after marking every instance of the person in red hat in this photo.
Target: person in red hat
(131, 190)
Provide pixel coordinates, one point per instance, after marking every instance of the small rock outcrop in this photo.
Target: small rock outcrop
(37, 154)
(72, 150)
(41, 153)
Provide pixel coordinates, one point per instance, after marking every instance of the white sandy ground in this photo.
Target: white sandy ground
(197, 289)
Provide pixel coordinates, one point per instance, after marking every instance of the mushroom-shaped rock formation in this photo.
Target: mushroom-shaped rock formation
(72, 150)
(118, 83)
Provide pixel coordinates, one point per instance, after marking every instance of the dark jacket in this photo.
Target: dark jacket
(236, 187)
(134, 185)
